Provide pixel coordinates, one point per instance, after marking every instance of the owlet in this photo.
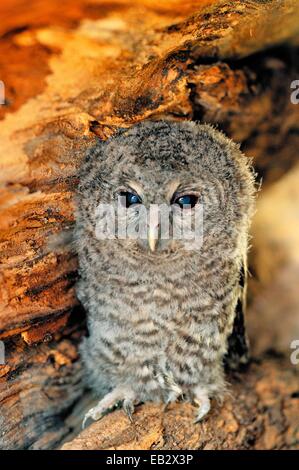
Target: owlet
(163, 211)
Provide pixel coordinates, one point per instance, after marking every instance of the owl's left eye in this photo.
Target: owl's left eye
(130, 198)
(186, 201)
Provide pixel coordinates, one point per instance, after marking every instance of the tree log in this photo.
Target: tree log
(262, 413)
(38, 389)
(123, 71)
(77, 74)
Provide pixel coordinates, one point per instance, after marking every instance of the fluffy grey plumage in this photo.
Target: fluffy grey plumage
(159, 321)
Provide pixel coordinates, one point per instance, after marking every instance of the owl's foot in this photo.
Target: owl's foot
(201, 398)
(172, 397)
(119, 394)
(128, 407)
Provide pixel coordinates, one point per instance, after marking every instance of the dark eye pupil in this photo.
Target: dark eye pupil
(130, 198)
(133, 199)
(186, 200)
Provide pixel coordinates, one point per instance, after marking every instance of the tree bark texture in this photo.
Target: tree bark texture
(75, 75)
(262, 413)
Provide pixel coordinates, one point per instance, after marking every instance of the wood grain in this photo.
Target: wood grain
(260, 414)
(74, 75)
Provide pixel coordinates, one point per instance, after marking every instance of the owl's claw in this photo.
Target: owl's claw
(203, 402)
(203, 411)
(96, 413)
(128, 407)
(84, 421)
(109, 402)
(172, 397)
(87, 416)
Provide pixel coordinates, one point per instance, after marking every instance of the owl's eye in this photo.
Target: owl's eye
(186, 201)
(130, 198)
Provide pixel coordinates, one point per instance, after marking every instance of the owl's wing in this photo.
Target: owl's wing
(238, 347)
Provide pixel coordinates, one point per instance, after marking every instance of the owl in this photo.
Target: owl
(162, 219)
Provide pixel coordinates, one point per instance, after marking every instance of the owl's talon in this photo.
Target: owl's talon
(203, 402)
(87, 416)
(128, 407)
(84, 421)
(172, 397)
(93, 414)
(203, 411)
(119, 394)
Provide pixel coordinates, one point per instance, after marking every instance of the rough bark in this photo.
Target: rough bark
(74, 75)
(110, 72)
(38, 389)
(262, 413)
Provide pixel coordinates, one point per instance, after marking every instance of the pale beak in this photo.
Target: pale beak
(153, 229)
(153, 237)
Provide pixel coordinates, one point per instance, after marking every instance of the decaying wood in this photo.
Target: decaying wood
(38, 389)
(111, 72)
(74, 75)
(261, 414)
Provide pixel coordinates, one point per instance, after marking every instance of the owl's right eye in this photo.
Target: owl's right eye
(129, 199)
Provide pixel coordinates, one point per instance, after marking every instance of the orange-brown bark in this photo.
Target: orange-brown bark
(74, 75)
(260, 414)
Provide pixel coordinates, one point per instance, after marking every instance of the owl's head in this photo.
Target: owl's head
(165, 188)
